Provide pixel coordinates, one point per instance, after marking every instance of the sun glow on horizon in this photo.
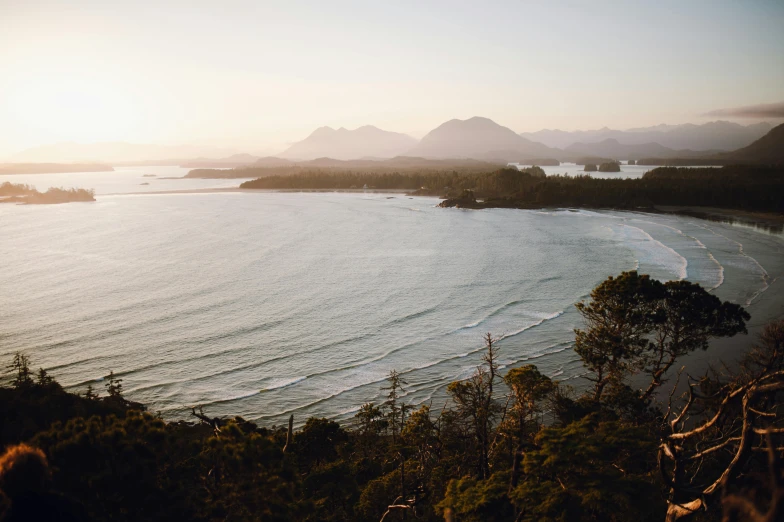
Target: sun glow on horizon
(258, 75)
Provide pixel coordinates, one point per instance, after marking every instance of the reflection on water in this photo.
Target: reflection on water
(759, 225)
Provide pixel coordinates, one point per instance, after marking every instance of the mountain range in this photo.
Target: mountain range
(474, 138)
(716, 135)
(611, 148)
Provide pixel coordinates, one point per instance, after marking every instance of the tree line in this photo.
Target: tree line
(741, 187)
(20, 192)
(419, 181)
(645, 440)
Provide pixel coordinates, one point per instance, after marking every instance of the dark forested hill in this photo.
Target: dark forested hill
(767, 149)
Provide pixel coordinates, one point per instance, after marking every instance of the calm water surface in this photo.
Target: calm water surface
(266, 304)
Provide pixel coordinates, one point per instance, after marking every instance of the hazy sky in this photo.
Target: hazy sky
(257, 74)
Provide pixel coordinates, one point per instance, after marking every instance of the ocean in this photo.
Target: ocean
(266, 304)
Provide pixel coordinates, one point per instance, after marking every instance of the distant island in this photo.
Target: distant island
(610, 166)
(741, 187)
(52, 168)
(21, 193)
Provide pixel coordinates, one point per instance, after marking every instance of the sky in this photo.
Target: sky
(256, 75)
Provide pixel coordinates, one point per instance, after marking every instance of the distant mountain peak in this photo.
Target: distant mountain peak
(346, 144)
(322, 131)
(478, 138)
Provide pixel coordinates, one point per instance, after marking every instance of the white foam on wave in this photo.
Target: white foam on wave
(282, 383)
(700, 244)
(528, 327)
(763, 273)
(230, 398)
(372, 372)
(511, 308)
(721, 271)
(680, 264)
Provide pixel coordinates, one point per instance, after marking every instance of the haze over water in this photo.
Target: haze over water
(266, 304)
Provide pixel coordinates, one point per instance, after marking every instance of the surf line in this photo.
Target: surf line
(763, 273)
(699, 244)
(683, 269)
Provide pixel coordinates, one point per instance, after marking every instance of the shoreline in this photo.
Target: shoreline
(272, 191)
(769, 221)
(767, 307)
(765, 220)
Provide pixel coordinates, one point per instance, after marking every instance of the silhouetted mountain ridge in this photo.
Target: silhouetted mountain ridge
(717, 135)
(611, 148)
(349, 144)
(479, 138)
(767, 149)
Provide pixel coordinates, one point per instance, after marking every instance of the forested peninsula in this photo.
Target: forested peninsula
(646, 441)
(745, 187)
(22, 193)
(749, 188)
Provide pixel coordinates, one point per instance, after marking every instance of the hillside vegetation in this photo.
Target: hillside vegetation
(748, 188)
(508, 445)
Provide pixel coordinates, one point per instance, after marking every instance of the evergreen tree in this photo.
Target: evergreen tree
(21, 368)
(114, 386)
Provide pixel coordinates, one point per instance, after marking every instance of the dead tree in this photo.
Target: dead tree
(745, 411)
(215, 422)
(738, 507)
(400, 505)
(289, 433)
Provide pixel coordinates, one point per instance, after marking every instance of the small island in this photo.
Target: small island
(609, 166)
(21, 193)
(590, 167)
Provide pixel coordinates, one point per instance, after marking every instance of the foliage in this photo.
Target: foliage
(639, 324)
(610, 166)
(612, 453)
(26, 193)
(619, 316)
(739, 187)
(590, 470)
